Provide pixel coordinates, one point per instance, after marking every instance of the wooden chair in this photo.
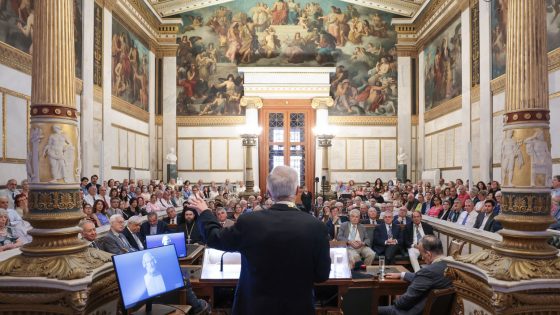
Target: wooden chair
(455, 247)
(440, 301)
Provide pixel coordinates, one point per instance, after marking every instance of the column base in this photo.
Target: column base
(246, 194)
(61, 267)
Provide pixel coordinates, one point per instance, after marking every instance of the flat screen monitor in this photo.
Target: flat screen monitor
(146, 274)
(177, 239)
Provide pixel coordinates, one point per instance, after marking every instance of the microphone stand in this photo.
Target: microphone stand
(222, 262)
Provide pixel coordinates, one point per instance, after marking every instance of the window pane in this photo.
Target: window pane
(275, 156)
(276, 127)
(297, 161)
(297, 127)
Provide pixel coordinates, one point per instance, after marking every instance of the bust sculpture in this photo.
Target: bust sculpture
(402, 156)
(171, 158)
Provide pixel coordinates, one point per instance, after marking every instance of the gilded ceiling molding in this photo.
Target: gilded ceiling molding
(209, 120)
(129, 109)
(322, 102)
(173, 7)
(251, 102)
(444, 108)
(554, 60)
(15, 58)
(399, 7)
(363, 120)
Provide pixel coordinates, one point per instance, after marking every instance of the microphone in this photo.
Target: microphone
(316, 179)
(222, 262)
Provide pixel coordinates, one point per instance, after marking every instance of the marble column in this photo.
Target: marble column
(169, 106)
(324, 142)
(252, 105)
(152, 135)
(86, 108)
(420, 132)
(110, 141)
(53, 164)
(404, 118)
(466, 116)
(486, 108)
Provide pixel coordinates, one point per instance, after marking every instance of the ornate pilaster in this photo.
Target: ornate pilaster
(53, 163)
(325, 142)
(494, 280)
(249, 141)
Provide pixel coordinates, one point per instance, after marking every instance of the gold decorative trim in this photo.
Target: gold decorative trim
(14, 93)
(556, 161)
(12, 160)
(444, 108)
(450, 16)
(453, 168)
(209, 120)
(555, 95)
(15, 58)
(129, 109)
(251, 102)
(475, 94)
(498, 85)
(127, 168)
(79, 86)
(471, 287)
(554, 60)
(159, 120)
(167, 51)
(363, 120)
(415, 119)
(322, 102)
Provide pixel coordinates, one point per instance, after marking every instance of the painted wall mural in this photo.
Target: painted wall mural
(499, 35)
(214, 41)
(129, 66)
(442, 59)
(16, 27)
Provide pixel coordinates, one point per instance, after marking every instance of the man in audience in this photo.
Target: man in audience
(555, 195)
(190, 227)
(221, 214)
(485, 219)
(165, 200)
(356, 238)
(115, 242)
(429, 202)
(89, 233)
(244, 206)
(463, 194)
(335, 221)
(452, 195)
(414, 233)
(473, 194)
(131, 232)
(372, 217)
(377, 196)
(104, 195)
(421, 206)
(114, 207)
(172, 217)
(422, 282)
(444, 214)
(92, 195)
(153, 227)
(363, 211)
(401, 217)
(15, 218)
(83, 184)
(498, 206)
(411, 202)
(468, 217)
(10, 192)
(94, 179)
(455, 211)
(387, 239)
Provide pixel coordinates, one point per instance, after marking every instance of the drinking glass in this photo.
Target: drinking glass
(382, 264)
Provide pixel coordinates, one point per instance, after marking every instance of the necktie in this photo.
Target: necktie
(92, 245)
(465, 219)
(173, 221)
(353, 232)
(125, 242)
(389, 231)
(418, 235)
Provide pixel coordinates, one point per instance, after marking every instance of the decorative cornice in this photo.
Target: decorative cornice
(322, 102)
(167, 50)
(363, 120)
(403, 8)
(98, 94)
(444, 108)
(15, 58)
(475, 94)
(251, 102)
(173, 7)
(554, 60)
(209, 120)
(129, 109)
(498, 85)
(79, 86)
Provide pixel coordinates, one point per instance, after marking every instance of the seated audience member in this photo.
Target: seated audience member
(92, 195)
(153, 205)
(100, 209)
(401, 217)
(83, 184)
(165, 200)
(87, 209)
(132, 232)
(363, 211)
(421, 206)
(411, 202)
(172, 217)
(387, 239)
(153, 227)
(356, 238)
(444, 214)
(436, 209)
(133, 209)
(89, 234)
(377, 196)
(468, 217)
(473, 194)
(177, 199)
(114, 207)
(221, 214)
(422, 282)
(485, 218)
(190, 227)
(103, 195)
(142, 204)
(195, 193)
(325, 214)
(10, 236)
(334, 221)
(455, 211)
(237, 212)
(21, 204)
(10, 192)
(372, 217)
(93, 182)
(429, 201)
(414, 233)
(482, 194)
(115, 242)
(498, 206)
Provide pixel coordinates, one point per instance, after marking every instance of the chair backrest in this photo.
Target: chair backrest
(455, 247)
(370, 228)
(440, 301)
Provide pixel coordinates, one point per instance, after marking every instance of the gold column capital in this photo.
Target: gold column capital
(251, 102)
(322, 102)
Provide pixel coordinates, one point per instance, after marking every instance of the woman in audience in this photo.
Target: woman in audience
(20, 202)
(111, 184)
(237, 212)
(213, 192)
(378, 185)
(145, 194)
(325, 214)
(123, 195)
(494, 187)
(25, 187)
(444, 214)
(333, 222)
(481, 186)
(206, 192)
(153, 205)
(100, 208)
(133, 210)
(90, 216)
(141, 204)
(10, 237)
(446, 193)
(114, 193)
(351, 186)
(436, 209)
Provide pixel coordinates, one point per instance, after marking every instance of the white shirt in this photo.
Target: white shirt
(414, 236)
(486, 217)
(357, 237)
(136, 239)
(173, 221)
(90, 199)
(164, 204)
(471, 219)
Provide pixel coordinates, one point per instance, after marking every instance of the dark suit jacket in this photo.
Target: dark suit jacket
(180, 220)
(409, 233)
(396, 220)
(196, 236)
(454, 216)
(445, 214)
(131, 239)
(112, 244)
(426, 279)
(489, 223)
(145, 230)
(368, 221)
(330, 226)
(380, 236)
(284, 251)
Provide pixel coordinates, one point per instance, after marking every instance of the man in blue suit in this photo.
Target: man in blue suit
(153, 227)
(284, 251)
(387, 238)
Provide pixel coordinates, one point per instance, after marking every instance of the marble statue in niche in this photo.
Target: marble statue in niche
(33, 155)
(511, 154)
(402, 156)
(541, 162)
(171, 157)
(60, 153)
